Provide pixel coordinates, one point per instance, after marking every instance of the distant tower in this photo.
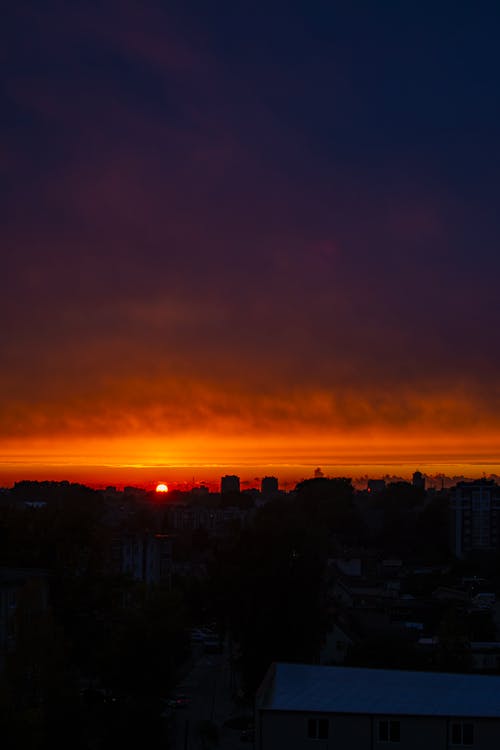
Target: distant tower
(419, 480)
(229, 483)
(269, 486)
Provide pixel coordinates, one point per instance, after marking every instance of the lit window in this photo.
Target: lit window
(389, 731)
(462, 733)
(317, 729)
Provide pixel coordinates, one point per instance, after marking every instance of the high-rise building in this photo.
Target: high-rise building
(475, 516)
(229, 483)
(418, 480)
(269, 486)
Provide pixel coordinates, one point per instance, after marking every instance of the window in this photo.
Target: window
(389, 731)
(317, 729)
(462, 733)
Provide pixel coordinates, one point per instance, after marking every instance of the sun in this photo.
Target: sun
(161, 487)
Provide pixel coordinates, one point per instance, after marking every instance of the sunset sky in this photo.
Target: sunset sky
(249, 237)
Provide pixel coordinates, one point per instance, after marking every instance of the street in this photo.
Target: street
(208, 686)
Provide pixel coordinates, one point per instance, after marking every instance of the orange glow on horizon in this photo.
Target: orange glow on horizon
(291, 457)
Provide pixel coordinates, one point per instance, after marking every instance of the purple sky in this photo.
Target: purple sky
(254, 227)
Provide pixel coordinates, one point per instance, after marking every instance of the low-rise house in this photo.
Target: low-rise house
(336, 645)
(485, 656)
(302, 706)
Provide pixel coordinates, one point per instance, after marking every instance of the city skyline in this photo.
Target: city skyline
(174, 478)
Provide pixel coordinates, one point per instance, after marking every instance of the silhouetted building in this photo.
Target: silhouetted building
(418, 480)
(137, 492)
(230, 483)
(475, 516)
(201, 490)
(24, 597)
(269, 486)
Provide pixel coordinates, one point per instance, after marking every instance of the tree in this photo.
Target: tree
(330, 503)
(269, 585)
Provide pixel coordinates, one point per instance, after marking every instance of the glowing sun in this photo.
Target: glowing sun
(161, 488)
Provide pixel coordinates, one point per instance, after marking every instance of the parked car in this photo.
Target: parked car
(247, 735)
(179, 700)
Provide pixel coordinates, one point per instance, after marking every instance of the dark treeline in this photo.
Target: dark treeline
(98, 625)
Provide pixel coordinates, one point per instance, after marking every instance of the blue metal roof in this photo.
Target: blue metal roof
(311, 688)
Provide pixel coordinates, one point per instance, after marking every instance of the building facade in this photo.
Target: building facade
(24, 595)
(193, 517)
(475, 517)
(145, 557)
(302, 706)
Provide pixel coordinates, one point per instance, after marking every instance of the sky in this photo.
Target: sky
(248, 237)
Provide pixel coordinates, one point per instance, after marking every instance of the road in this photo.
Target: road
(209, 687)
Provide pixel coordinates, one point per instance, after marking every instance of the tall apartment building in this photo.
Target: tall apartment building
(475, 517)
(24, 598)
(229, 483)
(269, 486)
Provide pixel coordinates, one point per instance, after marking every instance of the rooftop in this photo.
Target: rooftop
(311, 688)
